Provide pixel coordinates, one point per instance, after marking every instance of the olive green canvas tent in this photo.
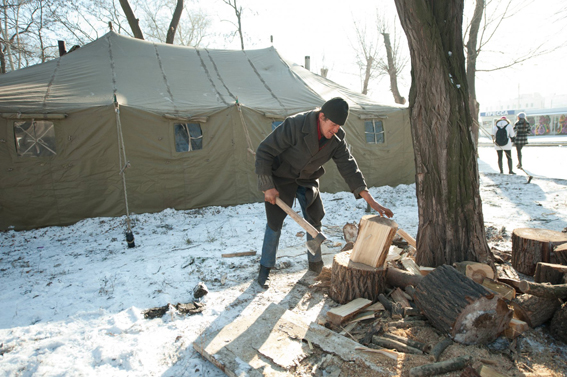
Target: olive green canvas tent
(123, 125)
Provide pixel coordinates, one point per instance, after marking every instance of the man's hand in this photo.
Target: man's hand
(271, 195)
(375, 205)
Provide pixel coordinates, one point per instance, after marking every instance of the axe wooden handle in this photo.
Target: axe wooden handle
(298, 219)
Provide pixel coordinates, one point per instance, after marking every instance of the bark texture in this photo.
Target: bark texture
(451, 223)
(531, 246)
(350, 280)
(472, 54)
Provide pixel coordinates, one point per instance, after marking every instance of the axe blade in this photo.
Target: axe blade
(314, 244)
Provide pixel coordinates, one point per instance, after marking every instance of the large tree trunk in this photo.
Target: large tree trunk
(472, 54)
(174, 22)
(392, 71)
(451, 224)
(132, 20)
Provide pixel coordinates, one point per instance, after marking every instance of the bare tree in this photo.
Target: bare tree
(132, 20)
(238, 13)
(451, 224)
(394, 65)
(367, 54)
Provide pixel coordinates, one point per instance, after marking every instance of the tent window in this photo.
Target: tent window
(276, 123)
(34, 138)
(374, 131)
(188, 137)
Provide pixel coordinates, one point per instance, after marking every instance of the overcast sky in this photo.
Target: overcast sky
(324, 30)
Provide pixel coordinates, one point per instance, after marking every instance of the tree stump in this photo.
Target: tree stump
(534, 310)
(550, 273)
(530, 246)
(559, 324)
(350, 280)
(561, 254)
(458, 306)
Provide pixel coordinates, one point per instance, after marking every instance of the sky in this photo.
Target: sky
(73, 297)
(323, 30)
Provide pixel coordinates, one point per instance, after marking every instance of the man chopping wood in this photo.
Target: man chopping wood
(289, 163)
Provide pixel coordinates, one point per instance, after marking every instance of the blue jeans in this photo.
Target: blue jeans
(272, 237)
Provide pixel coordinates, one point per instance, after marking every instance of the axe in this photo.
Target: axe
(318, 237)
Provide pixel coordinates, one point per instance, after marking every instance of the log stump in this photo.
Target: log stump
(350, 280)
(530, 246)
(550, 273)
(561, 254)
(463, 309)
(558, 325)
(534, 310)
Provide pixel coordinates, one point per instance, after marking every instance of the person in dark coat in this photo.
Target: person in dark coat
(289, 163)
(522, 130)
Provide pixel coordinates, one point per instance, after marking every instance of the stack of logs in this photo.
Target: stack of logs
(467, 301)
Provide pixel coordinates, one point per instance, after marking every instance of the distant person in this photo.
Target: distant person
(502, 134)
(289, 162)
(522, 130)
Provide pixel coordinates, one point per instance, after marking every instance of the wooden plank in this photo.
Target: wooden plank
(402, 233)
(411, 266)
(342, 313)
(375, 235)
(239, 254)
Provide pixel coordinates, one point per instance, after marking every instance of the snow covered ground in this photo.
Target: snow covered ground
(72, 298)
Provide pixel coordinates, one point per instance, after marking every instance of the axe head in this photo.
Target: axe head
(314, 244)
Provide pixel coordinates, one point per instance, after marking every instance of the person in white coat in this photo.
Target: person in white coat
(503, 136)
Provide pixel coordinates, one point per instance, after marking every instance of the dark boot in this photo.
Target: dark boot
(263, 277)
(316, 266)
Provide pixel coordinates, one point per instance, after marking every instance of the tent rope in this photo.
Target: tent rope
(124, 164)
(246, 133)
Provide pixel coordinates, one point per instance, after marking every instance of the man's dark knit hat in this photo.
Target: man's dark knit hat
(336, 110)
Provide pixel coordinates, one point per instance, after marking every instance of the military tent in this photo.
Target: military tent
(123, 125)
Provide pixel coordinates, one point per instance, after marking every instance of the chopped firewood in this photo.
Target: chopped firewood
(399, 296)
(362, 317)
(534, 310)
(550, 273)
(390, 354)
(411, 312)
(504, 290)
(515, 327)
(489, 372)
(342, 313)
(511, 282)
(404, 324)
(402, 233)
(348, 328)
(239, 254)
(441, 367)
(396, 345)
(410, 342)
(376, 307)
(425, 270)
(411, 266)
(384, 301)
(475, 271)
(544, 290)
(469, 372)
(438, 349)
(375, 236)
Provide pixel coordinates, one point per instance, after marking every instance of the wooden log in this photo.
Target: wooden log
(395, 345)
(511, 282)
(544, 290)
(507, 292)
(441, 367)
(390, 354)
(458, 306)
(375, 235)
(438, 349)
(345, 312)
(530, 246)
(558, 325)
(474, 270)
(401, 278)
(560, 252)
(516, 328)
(385, 302)
(550, 273)
(350, 280)
(350, 232)
(399, 296)
(534, 310)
